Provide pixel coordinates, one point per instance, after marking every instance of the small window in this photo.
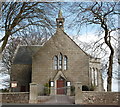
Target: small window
(55, 62)
(65, 62)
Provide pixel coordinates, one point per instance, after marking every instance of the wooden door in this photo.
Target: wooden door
(60, 87)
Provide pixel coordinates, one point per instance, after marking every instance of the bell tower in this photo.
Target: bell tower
(60, 20)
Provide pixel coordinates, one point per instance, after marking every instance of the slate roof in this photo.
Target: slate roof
(24, 54)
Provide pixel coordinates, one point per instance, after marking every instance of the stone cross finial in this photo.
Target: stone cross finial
(60, 14)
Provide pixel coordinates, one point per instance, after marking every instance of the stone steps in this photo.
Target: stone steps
(59, 99)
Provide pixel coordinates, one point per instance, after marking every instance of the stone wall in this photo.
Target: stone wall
(96, 98)
(22, 74)
(16, 97)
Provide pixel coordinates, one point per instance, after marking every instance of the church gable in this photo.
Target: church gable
(63, 41)
(60, 43)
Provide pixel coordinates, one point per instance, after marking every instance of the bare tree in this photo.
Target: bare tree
(104, 16)
(9, 51)
(118, 50)
(27, 39)
(17, 16)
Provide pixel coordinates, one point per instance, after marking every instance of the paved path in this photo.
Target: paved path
(60, 99)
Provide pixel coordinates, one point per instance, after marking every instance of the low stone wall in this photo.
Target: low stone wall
(14, 97)
(98, 98)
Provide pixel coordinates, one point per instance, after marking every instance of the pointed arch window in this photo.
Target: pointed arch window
(92, 74)
(55, 62)
(60, 61)
(96, 76)
(65, 62)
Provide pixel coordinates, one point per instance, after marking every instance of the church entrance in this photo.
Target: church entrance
(61, 86)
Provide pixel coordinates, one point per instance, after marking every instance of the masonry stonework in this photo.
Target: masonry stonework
(78, 61)
(95, 97)
(99, 98)
(16, 97)
(22, 74)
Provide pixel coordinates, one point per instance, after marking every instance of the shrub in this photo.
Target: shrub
(4, 90)
(72, 90)
(46, 89)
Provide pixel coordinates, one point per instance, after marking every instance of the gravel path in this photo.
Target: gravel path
(60, 99)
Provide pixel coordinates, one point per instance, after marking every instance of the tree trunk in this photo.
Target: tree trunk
(7, 34)
(110, 68)
(109, 73)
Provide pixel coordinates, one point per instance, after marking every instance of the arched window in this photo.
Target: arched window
(60, 61)
(92, 74)
(96, 77)
(55, 62)
(65, 62)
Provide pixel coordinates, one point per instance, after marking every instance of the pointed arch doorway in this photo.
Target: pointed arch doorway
(61, 86)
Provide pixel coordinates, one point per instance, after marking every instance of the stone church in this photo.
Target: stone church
(60, 62)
